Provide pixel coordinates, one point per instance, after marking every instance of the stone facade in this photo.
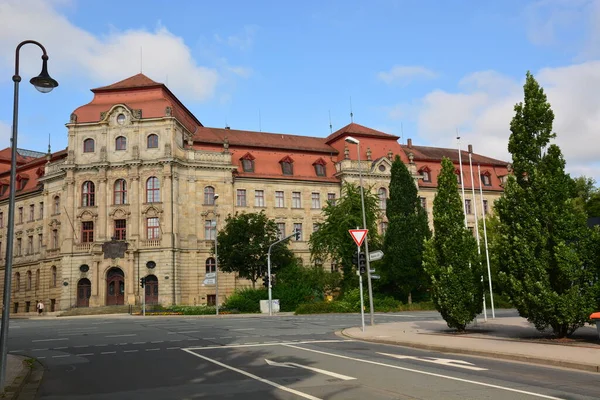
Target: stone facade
(147, 175)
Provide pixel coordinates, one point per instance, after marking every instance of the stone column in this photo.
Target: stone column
(102, 201)
(130, 278)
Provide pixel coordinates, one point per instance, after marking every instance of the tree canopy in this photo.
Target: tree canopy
(243, 245)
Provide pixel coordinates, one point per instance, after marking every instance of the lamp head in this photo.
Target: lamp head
(352, 140)
(44, 82)
(216, 196)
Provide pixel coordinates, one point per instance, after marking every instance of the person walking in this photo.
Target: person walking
(40, 307)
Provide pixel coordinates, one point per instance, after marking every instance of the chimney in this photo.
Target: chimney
(409, 143)
(470, 148)
(227, 127)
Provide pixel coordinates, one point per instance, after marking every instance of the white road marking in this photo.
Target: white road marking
(427, 373)
(320, 371)
(178, 340)
(233, 346)
(82, 345)
(226, 337)
(39, 358)
(173, 348)
(39, 349)
(152, 349)
(441, 361)
(138, 342)
(109, 352)
(16, 351)
(59, 348)
(130, 351)
(209, 338)
(124, 335)
(258, 378)
(157, 341)
(100, 345)
(84, 354)
(176, 333)
(62, 356)
(244, 329)
(49, 340)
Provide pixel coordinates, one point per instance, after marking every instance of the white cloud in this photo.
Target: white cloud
(5, 133)
(102, 58)
(484, 106)
(404, 74)
(244, 41)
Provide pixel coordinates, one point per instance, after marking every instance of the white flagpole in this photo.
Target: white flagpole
(476, 222)
(462, 181)
(487, 254)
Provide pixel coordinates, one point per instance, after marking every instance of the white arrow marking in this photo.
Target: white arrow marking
(318, 370)
(442, 361)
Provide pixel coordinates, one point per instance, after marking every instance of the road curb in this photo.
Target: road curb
(481, 353)
(12, 391)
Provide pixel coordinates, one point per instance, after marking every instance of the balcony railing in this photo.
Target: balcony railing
(150, 243)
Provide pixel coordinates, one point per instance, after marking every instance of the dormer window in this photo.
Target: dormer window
(320, 167)
(486, 179)
(22, 181)
(287, 166)
(88, 146)
(247, 162)
(458, 176)
(426, 173)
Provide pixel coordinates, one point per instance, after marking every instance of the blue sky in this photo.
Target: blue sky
(426, 68)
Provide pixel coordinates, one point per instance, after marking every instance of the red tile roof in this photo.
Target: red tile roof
(354, 129)
(426, 153)
(133, 82)
(252, 139)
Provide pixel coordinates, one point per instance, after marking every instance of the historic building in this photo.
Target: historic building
(134, 195)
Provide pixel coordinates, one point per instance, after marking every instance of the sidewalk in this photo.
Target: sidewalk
(510, 338)
(17, 373)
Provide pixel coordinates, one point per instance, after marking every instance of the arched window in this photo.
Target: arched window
(209, 195)
(152, 190)
(17, 282)
(88, 146)
(121, 143)
(37, 279)
(56, 204)
(88, 198)
(152, 141)
(211, 265)
(28, 283)
(120, 191)
(382, 193)
(53, 277)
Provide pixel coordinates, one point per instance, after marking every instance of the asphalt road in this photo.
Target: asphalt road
(283, 357)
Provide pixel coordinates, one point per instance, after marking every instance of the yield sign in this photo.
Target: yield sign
(358, 235)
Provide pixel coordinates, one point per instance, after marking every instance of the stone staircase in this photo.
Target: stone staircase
(124, 309)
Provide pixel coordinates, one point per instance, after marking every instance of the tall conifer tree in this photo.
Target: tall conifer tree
(402, 267)
(450, 256)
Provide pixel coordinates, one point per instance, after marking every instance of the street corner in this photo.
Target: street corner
(18, 371)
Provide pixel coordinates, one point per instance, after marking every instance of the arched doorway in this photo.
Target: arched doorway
(115, 287)
(151, 289)
(84, 291)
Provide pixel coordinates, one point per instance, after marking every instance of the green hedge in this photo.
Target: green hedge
(343, 306)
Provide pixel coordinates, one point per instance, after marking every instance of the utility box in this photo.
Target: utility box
(264, 306)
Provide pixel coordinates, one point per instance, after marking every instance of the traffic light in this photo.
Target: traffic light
(297, 234)
(142, 281)
(362, 263)
(355, 258)
(266, 281)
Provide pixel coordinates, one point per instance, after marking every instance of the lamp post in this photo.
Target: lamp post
(43, 83)
(352, 140)
(216, 259)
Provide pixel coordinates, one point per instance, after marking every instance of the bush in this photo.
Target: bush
(324, 307)
(246, 300)
(193, 310)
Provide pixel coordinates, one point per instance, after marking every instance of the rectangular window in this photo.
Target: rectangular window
(41, 210)
(210, 229)
(30, 245)
(259, 198)
(241, 198)
(423, 203)
(211, 299)
(120, 229)
(40, 242)
(280, 230)
(316, 226)
(279, 199)
(458, 178)
(31, 212)
(296, 203)
(55, 238)
(486, 180)
(0, 250)
(485, 207)
(20, 215)
(152, 228)
(87, 232)
(468, 209)
(298, 228)
(1, 220)
(383, 227)
(331, 198)
(315, 199)
(19, 247)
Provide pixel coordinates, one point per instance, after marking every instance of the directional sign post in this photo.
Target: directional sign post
(375, 255)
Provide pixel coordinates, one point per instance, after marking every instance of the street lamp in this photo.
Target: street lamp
(352, 140)
(44, 83)
(216, 196)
